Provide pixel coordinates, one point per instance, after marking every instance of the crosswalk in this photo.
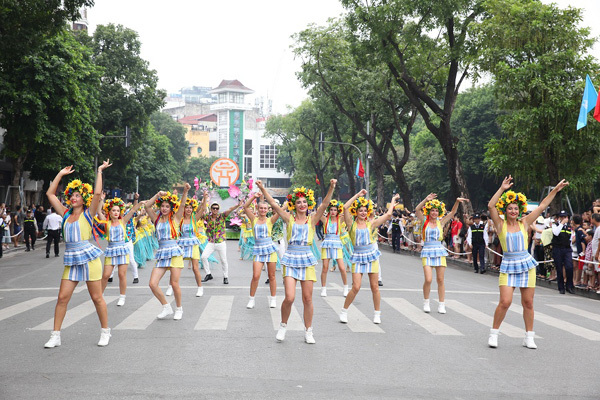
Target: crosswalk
(216, 312)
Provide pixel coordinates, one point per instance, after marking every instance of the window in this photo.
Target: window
(248, 147)
(223, 118)
(212, 145)
(278, 182)
(199, 150)
(268, 156)
(247, 165)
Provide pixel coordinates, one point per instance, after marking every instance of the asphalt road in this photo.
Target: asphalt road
(222, 350)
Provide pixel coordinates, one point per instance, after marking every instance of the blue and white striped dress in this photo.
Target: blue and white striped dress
(117, 249)
(188, 240)
(298, 256)
(331, 241)
(263, 243)
(79, 253)
(167, 246)
(433, 250)
(517, 262)
(365, 253)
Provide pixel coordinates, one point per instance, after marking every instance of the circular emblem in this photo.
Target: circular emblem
(224, 172)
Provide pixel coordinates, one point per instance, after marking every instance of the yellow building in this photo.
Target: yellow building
(198, 131)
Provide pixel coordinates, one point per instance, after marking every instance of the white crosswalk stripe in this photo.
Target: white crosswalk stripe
(294, 323)
(74, 315)
(24, 306)
(142, 317)
(576, 311)
(357, 321)
(216, 314)
(422, 319)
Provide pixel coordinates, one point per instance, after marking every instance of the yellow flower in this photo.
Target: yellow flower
(511, 196)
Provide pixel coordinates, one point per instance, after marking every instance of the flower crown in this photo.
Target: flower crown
(85, 189)
(298, 193)
(109, 204)
(362, 202)
(509, 197)
(170, 198)
(192, 202)
(435, 203)
(336, 204)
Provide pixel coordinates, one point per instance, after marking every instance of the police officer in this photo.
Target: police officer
(30, 229)
(396, 231)
(562, 253)
(478, 243)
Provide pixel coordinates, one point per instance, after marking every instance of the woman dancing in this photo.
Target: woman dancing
(332, 247)
(298, 261)
(365, 259)
(518, 266)
(189, 241)
(81, 259)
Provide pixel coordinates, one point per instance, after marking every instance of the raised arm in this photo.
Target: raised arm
(129, 215)
(232, 209)
(98, 186)
(148, 206)
(529, 219)
(383, 218)
(450, 215)
(51, 192)
(506, 184)
(179, 213)
(317, 216)
(284, 216)
(248, 209)
(202, 206)
(419, 208)
(347, 216)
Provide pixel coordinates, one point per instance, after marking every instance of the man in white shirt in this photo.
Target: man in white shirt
(53, 224)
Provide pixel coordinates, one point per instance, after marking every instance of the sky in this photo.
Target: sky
(200, 42)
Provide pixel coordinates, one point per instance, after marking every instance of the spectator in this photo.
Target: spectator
(40, 216)
(537, 249)
(477, 241)
(590, 268)
(2, 226)
(396, 232)
(455, 228)
(579, 249)
(464, 233)
(17, 220)
(562, 253)
(30, 230)
(52, 223)
(7, 226)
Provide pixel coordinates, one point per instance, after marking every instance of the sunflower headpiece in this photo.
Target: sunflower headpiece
(110, 203)
(170, 198)
(192, 202)
(509, 197)
(362, 202)
(435, 203)
(336, 204)
(298, 193)
(85, 189)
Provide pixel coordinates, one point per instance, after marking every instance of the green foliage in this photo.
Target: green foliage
(165, 125)
(198, 167)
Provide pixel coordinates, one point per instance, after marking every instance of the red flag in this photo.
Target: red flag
(597, 110)
(360, 171)
(317, 180)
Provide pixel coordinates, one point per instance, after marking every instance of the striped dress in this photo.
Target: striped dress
(365, 259)
(82, 262)
(188, 240)
(264, 249)
(298, 260)
(117, 251)
(433, 253)
(167, 246)
(518, 266)
(331, 248)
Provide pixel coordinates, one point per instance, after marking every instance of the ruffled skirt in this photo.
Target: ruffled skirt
(517, 262)
(167, 249)
(298, 256)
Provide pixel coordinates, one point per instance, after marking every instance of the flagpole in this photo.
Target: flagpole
(348, 144)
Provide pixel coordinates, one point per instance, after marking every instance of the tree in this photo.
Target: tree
(49, 103)
(165, 125)
(539, 58)
(198, 167)
(426, 47)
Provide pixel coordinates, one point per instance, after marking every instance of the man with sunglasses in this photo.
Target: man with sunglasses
(215, 231)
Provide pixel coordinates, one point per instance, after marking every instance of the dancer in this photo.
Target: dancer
(298, 261)
(365, 259)
(331, 248)
(264, 250)
(434, 254)
(169, 255)
(117, 252)
(189, 241)
(518, 266)
(81, 259)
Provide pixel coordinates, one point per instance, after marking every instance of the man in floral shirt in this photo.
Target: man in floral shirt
(215, 231)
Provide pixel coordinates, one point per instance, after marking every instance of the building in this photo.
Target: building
(82, 23)
(198, 129)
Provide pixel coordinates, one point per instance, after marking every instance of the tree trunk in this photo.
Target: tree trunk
(404, 190)
(17, 164)
(458, 184)
(379, 180)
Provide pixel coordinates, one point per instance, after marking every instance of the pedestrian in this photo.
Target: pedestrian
(117, 252)
(189, 241)
(455, 228)
(215, 232)
(17, 223)
(332, 247)
(53, 224)
(562, 253)
(2, 229)
(169, 256)
(579, 248)
(365, 259)
(264, 250)
(81, 259)
(298, 260)
(40, 216)
(396, 232)
(478, 243)
(518, 268)
(29, 230)
(433, 214)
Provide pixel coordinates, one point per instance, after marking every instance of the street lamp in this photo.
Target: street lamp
(359, 152)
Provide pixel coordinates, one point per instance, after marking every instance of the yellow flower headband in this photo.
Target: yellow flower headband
(362, 202)
(435, 203)
(192, 202)
(85, 189)
(298, 193)
(336, 204)
(509, 197)
(170, 198)
(109, 204)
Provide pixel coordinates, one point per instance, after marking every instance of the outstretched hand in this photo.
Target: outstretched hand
(462, 199)
(67, 170)
(507, 183)
(561, 185)
(104, 165)
(430, 196)
(186, 187)
(363, 192)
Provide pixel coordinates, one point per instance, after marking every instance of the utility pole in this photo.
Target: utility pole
(367, 159)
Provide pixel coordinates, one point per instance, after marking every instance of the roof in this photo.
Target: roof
(231, 86)
(195, 119)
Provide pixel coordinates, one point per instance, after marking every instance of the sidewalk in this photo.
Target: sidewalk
(463, 264)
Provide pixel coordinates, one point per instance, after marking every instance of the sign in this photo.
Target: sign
(224, 172)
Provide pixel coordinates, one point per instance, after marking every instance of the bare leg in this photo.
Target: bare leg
(324, 272)
(155, 277)
(427, 271)
(374, 282)
(64, 295)
(289, 285)
(527, 302)
(506, 295)
(272, 282)
(108, 269)
(256, 271)
(122, 279)
(196, 270)
(95, 289)
(175, 274)
(356, 281)
(307, 289)
(439, 277)
(342, 268)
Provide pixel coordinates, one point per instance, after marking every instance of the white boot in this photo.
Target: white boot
(200, 291)
(104, 337)
(178, 313)
(272, 302)
(344, 316)
(308, 336)
(281, 332)
(493, 339)
(442, 308)
(377, 317)
(346, 290)
(251, 303)
(169, 291)
(54, 340)
(324, 291)
(166, 311)
(121, 301)
(528, 341)
(426, 306)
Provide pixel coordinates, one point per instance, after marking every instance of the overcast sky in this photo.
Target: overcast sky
(199, 42)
